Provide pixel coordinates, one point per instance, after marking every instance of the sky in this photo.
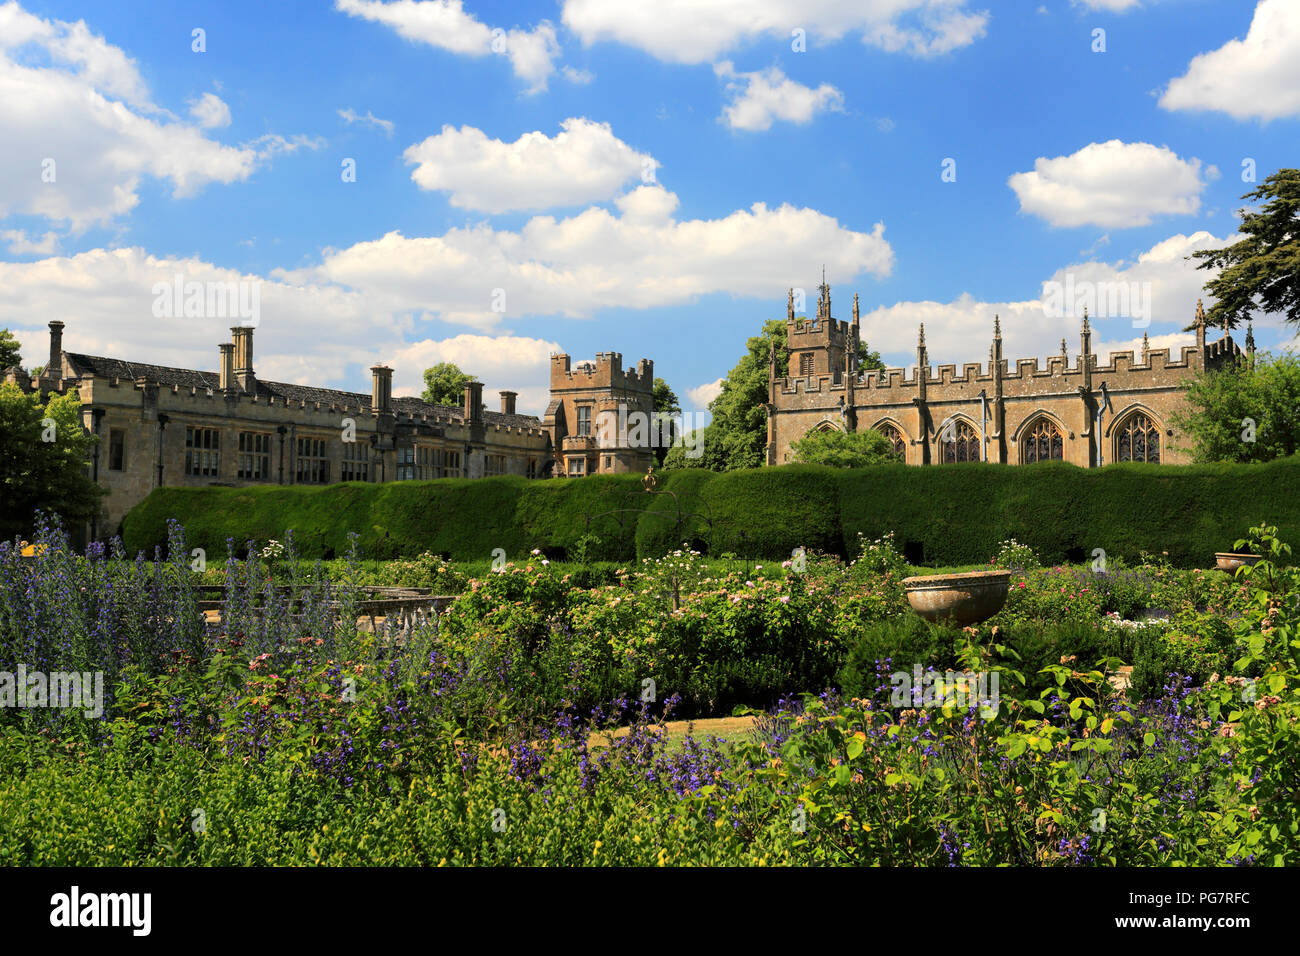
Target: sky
(488, 183)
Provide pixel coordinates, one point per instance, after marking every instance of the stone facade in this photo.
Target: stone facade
(597, 413)
(168, 426)
(1011, 411)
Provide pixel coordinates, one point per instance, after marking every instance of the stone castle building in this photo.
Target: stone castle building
(171, 426)
(1017, 412)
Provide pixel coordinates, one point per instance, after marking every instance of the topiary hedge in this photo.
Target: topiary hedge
(943, 515)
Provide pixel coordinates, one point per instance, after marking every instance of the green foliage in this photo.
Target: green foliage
(667, 407)
(843, 449)
(1266, 393)
(10, 353)
(39, 475)
(1259, 272)
(736, 438)
(444, 384)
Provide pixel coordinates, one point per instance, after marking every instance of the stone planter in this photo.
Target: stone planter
(1227, 561)
(962, 598)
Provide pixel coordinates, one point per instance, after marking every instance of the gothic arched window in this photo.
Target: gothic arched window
(895, 439)
(1042, 442)
(958, 442)
(1137, 439)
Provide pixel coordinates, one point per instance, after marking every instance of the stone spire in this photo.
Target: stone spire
(1085, 340)
(855, 308)
(1250, 341)
(1146, 348)
(997, 328)
(1199, 325)
(789, 306)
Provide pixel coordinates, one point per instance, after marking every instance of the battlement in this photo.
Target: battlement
(606, 372)
(982, 373)
(805, 333)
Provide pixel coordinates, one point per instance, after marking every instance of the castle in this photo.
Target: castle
(173, 426)
(1083, 412)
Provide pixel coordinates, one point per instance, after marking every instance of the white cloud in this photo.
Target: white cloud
(81, 132)
(580, 77)
(1108, 6)
(446, 25)
(308, 334)
(210, 112)
(585, 162)
(692, 32)
(594, 259)
(19, 244)
(513, 362)
(1254, 78)
(759, 98)
(350, 116)
(1111, 185)
(701, 395)
(962, 330)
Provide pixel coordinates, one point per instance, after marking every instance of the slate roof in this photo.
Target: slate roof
(102, 367)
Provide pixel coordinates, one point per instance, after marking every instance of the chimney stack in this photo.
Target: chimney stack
(473, 401)
(226, 370)
(243, 338)
(508, 402)
(381, 390)
(54, 370)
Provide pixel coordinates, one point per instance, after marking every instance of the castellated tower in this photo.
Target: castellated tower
(601, 416)
(821, 345)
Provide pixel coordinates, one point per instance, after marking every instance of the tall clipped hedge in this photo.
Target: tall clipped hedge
(945, 515)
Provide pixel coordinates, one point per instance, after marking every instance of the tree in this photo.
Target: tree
(1262, 271)
(444, 384)
(667, 409)
(843, 449)
(737, 436)
(1245, 413)
(44, 453)
(9, 351)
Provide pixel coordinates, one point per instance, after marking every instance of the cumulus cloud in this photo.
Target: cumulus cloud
(210, 112)
(1254, 78)
(961, 330)
(574, 266)
(759, 98)
(1112, 185)
(701, 395)
(81, 131)
(308, 334)
(584, 162)
(20, 244)
(446, 25)
(351, 116)
(700, 33)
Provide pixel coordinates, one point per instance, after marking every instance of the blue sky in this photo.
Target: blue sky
(642, 178)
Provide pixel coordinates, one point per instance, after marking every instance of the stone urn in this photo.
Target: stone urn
(965, 599)
(1227, 561)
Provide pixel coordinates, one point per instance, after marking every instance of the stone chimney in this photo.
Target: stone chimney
(508, 402)
(243, 339)
(226, 370)
(54, 369)
(473, 401)
(381, 390)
